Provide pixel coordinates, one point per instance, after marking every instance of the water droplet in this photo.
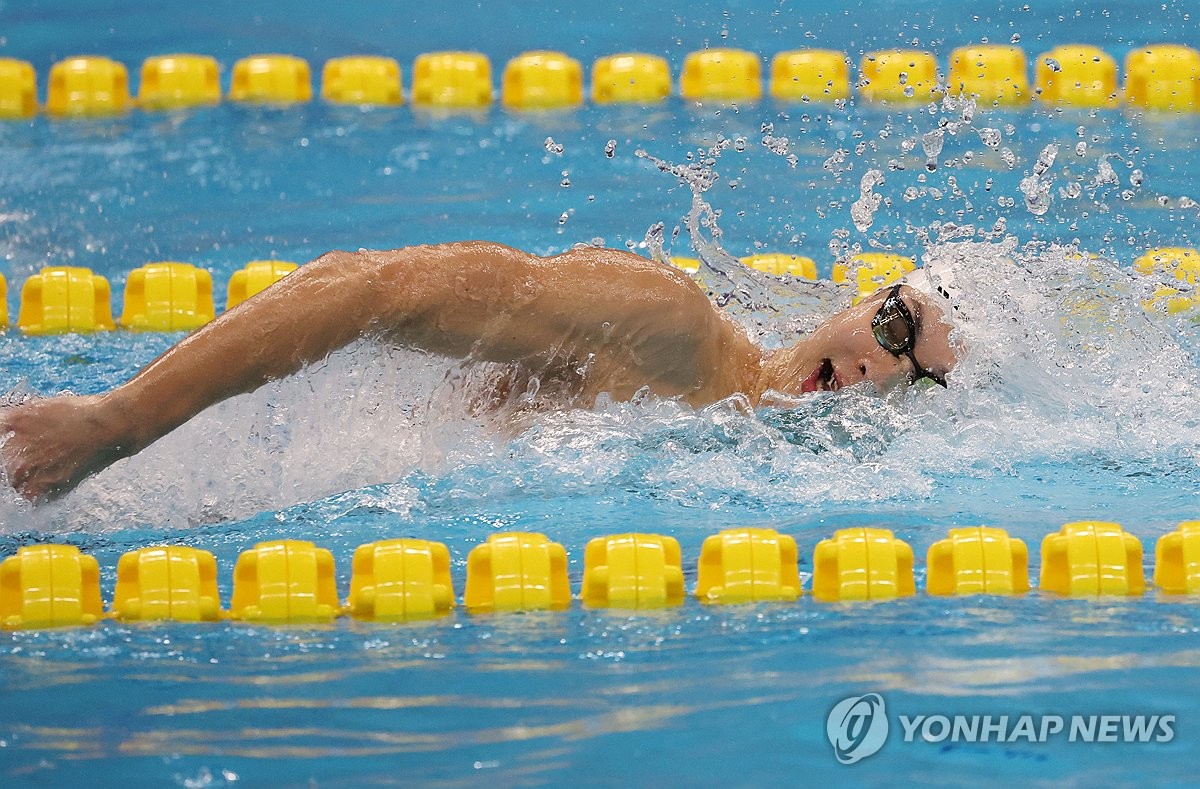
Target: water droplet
(834, 163)
(1016, 38)
(610, 148)
(931, 143)
(1045, 159)
(552, 147)
(1037, 195)
(863, 210)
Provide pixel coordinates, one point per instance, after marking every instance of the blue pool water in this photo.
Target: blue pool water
(1075, 404)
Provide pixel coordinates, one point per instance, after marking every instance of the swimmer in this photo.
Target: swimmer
(631, 323)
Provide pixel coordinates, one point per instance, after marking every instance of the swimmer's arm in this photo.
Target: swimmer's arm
(468, 298)
(642, 323)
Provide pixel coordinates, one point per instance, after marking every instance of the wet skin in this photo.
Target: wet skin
(632, 322)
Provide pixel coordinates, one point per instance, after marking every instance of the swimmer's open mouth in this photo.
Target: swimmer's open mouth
(822, 379)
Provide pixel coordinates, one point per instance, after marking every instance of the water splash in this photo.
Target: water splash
(862, 212)
(726, 277)
(353, 420)
(1034, 187)
(990, 137)
(1065, 361)
(780, 146)
(773, 310)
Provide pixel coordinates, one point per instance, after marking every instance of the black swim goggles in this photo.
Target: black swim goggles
(896, 331)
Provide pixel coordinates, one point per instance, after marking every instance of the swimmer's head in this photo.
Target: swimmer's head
(894, 337)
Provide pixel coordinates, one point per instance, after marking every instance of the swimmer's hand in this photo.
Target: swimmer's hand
(50, 445)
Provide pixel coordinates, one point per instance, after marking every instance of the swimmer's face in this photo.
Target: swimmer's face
(844, 350)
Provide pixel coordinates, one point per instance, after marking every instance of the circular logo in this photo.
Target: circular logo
(857, 727)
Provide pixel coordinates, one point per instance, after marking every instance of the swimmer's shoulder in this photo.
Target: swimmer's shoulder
(626, 265)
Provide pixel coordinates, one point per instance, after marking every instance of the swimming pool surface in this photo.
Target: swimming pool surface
(1075, 404)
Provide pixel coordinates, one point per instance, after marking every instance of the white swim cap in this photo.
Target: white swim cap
(935, 278)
